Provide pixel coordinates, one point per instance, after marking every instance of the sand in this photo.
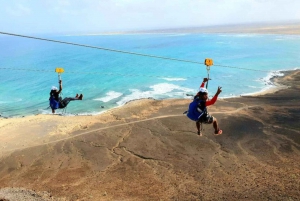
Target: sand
(149, 150)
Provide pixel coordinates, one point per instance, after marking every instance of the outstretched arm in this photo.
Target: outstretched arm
(203, 83)
(60, 86)
(214, 99)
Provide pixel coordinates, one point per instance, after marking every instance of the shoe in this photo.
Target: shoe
(80, 97)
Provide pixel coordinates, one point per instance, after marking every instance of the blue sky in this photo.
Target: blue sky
(95, 16)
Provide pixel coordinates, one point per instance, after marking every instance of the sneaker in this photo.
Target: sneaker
(80, 97)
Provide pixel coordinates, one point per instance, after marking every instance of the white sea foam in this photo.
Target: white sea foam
(173, 79)
(109, 96)
(162, 90)
(267, 81)
(273, 74)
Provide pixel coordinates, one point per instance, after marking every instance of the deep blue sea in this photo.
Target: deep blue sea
(110, 79)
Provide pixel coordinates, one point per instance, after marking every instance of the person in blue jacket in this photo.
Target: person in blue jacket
(198, 109)
(56, 102)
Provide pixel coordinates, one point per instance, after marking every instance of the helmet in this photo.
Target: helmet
(54, 88)
(203, 90)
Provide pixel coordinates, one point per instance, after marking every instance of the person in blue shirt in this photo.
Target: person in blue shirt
(56, 102)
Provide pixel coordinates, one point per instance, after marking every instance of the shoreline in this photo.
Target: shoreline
(271, 87)
(274, 85)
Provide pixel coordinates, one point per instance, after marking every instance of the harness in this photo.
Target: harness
(197, 109)
(54, 103)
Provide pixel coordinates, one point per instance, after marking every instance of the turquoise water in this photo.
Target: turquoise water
(109, 79)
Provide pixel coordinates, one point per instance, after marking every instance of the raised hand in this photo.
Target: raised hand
(219, 90)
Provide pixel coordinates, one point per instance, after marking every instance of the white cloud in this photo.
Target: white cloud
(18, 10)
(113, 15)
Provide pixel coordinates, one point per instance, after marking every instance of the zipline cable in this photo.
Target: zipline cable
(125, 52)
(102, 48)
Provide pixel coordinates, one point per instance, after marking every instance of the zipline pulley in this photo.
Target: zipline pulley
(208, 63)
(59, 71)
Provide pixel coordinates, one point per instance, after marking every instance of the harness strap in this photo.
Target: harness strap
(208, 69)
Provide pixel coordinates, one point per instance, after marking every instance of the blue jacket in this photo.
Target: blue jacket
(196, 109)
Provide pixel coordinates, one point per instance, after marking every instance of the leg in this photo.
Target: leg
(69, 99)
(65, 102)
(53, 111)
(198, 128)
(212, 120)
(216, 127)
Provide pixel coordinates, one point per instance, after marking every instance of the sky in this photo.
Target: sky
(98, 16)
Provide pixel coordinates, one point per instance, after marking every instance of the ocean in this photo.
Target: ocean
(110, 79)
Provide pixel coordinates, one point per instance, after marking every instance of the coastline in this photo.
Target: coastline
(271, 87)
(274, 86)
(147, 148)
(60, 126)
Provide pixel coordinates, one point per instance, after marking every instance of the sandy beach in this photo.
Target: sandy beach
(149, 150)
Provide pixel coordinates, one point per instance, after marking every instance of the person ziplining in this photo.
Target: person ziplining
(55, 100)
(197, 110)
